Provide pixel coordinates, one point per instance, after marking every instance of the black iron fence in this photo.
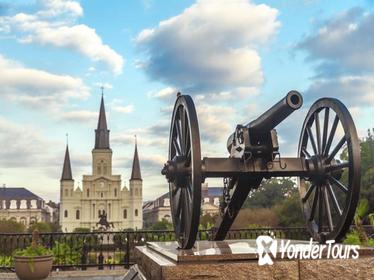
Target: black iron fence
(101, 250)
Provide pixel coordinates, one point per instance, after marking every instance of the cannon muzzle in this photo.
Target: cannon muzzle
(274, 116)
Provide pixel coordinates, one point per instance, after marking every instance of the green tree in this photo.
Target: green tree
(10, 226)
(289, 212)
(162, 225)
(81, 230)
(270, 193)
(40, 226)
(207, 221)
(367, 169)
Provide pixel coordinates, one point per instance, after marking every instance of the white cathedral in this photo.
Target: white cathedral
(102, 193)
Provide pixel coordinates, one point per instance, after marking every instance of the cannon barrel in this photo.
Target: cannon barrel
(274, 116)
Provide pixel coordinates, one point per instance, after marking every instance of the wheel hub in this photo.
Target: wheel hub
(175, 170)
(317, 163)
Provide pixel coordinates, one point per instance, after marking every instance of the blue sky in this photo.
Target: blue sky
(235, 57)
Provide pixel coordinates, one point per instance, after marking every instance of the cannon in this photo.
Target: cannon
(326, 167)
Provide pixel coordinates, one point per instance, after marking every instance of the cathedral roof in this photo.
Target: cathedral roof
(66, 170)
(102, 132)
(135, 173)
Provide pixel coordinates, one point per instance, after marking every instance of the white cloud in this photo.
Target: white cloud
(216, 122)
(21, 145)
(104, 85)
(206, 48)
(343, 43)
(57, 7)
(55, 25)
(124, 109)
(351, 89)
(165, 93)
(80, 116)
(31, 86)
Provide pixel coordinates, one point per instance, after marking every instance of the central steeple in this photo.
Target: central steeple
(102, 132)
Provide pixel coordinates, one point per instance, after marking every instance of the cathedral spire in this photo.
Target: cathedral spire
(135, 174)
(66, 170)
(102, 132)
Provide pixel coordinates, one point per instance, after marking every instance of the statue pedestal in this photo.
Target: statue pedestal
(238, 259)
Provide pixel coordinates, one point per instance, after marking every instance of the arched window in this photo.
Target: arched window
(99, 169)
(66, 192)
(77, 214)
(102, 195)
(136, 212)
(105, 169)
(125, 213)
(66, 213)
(88, 192)
(115, 192)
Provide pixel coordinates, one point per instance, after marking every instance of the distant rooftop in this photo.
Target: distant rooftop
(212, 192)
(9, 193)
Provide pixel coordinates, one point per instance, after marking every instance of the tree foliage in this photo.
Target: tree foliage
(161, 225)
(40, 226)
(10, 226)
(270, 193)
(367, 169)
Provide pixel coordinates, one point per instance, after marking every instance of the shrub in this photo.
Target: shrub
(10, 226)
(41, 227)
(66, 255)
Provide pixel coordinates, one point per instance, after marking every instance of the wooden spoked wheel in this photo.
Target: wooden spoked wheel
(330, 145)
(185, 186)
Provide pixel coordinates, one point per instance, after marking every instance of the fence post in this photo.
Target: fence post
(127, 251)
(84, 257)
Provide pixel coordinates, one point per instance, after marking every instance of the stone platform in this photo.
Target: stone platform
(238, 259)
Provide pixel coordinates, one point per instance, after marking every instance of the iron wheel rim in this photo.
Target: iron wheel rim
(325, 192)
(185, 192)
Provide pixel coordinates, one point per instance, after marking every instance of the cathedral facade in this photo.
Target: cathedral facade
(102, 196)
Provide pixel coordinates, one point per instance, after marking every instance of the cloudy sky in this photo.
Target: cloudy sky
(236, 58)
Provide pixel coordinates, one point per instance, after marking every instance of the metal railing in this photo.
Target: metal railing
(112, 249)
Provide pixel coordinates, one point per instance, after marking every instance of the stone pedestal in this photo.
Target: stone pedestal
(238, 259)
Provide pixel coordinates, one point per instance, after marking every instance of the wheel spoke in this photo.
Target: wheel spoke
(182, 213)
(331, 136)
(320, 209)
(308, 193)
(314, 205)
(318, 131)
(305, 152)
(179, 134)
(334, 199)
(311, 137)
(176, 147)
(328, 210)
(186, 209)
(325, 128)
(188, 158)
(338, 166)
(183, 130)
(336, 149)
(177, 200)
(338, 183)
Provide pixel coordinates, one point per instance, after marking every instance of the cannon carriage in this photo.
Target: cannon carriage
(327, 167)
